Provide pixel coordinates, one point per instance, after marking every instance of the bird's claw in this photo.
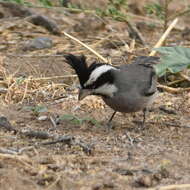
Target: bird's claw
(140, 125)
(109, 126)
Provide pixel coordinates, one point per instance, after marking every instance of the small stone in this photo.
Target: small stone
(145, 181)
(43, 118)
(38, 43)
(3, 90)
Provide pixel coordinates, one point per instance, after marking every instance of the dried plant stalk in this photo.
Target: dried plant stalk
(87, 47)
(164, 36)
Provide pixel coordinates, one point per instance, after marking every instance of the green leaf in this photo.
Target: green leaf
(46, 3)
(36, 109)
(155, 9)
(79, 121)
(173, 59)
(28, 108)
(75, 120)
(40, 109)
(67, 117)
(19, 80)
(94, 122)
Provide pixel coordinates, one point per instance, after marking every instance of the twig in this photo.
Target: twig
(85, 147)
(87, 47)
(42, 55)
(35, 134)
(20, 151)
(51, 78)
(12, 24)
(131, 140)
(25, 91)
(15, 152)
(166, 110)
(58, 177)
(171, 187)
(178, 14)
(102, 41)
(166, 4)
(71, 141)
(185, 77)
(74, 10)
(66, 139)
(22, 159)
(7, 151)
(175, 82)
(5, 124)
(135, 33)
(156, 22)
(164, 36)
(53, 122)
(173, 90)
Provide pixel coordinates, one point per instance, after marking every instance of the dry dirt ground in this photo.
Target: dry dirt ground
(91, 157)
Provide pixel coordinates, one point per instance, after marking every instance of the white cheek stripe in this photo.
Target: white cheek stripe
(97, 72)
(106, 89)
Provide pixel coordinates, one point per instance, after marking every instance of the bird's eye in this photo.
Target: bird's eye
(93, 86)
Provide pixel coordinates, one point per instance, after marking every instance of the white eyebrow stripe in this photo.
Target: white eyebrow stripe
(97, 72)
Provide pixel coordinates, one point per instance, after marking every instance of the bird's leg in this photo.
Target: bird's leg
(112, 117)
(141, 124)
(109, 125)
(144, 117)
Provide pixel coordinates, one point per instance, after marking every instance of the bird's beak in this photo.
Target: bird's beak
(83, 93)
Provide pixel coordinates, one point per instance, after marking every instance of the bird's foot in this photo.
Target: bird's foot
(140, 125)
(109, 126)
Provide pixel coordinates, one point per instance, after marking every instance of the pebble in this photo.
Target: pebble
(38, 43)
(43, 118)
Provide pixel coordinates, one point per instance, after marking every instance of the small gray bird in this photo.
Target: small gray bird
(128, 88)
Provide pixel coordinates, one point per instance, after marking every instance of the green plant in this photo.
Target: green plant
(173, 59)
(79, 121)
(36, 109)
(46, 3)
(161, 11)
(22, 2)
(155, 9)
(19, 80)
(63, 2)
(115, 9)
(74, 6)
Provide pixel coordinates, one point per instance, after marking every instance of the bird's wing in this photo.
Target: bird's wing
(146, 60)
(147, 63)
(139, 77)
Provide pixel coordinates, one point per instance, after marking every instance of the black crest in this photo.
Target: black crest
(78, 63)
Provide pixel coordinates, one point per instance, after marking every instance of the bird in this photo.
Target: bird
(127, 88)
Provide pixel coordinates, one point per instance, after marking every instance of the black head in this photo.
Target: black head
(96, 79)
(104, 78)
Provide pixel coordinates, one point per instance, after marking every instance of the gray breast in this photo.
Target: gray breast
(136, 88)
(129, 102)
